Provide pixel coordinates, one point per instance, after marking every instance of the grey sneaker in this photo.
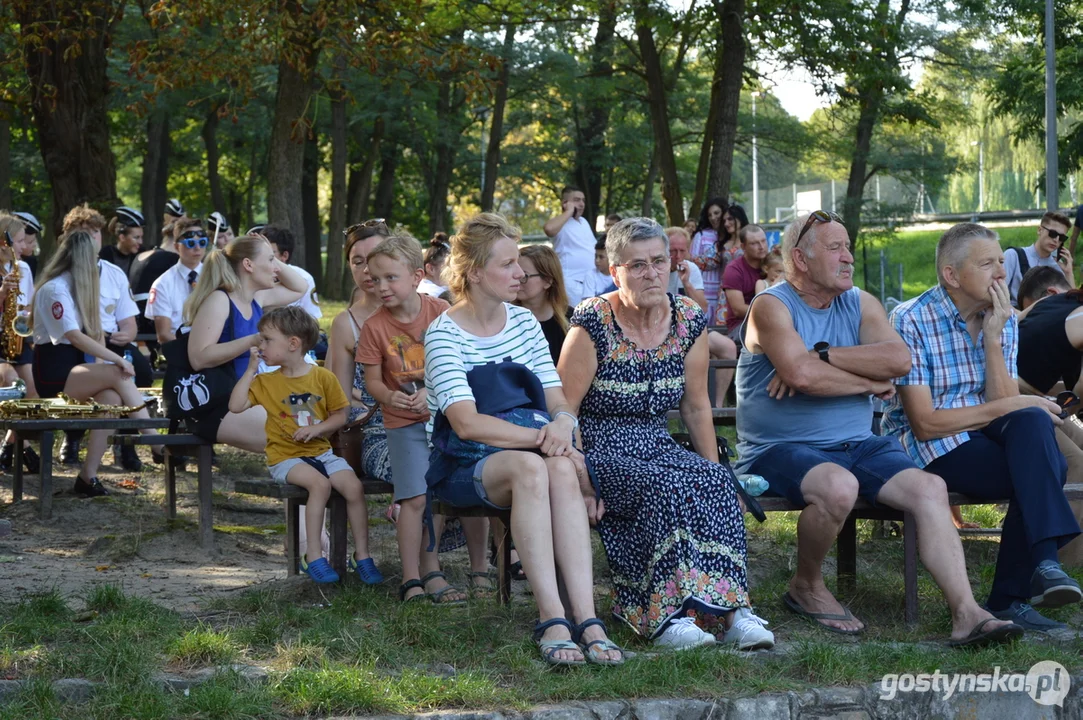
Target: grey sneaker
(1051, 587)
(683, 634)
(1027, 618)
(749, 632)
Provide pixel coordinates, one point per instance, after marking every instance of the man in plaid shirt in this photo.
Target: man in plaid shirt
(959, 415)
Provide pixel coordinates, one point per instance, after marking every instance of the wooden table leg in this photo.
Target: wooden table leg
(206, 515)
(170, 483)
(846, 556)
(46, 474)
(17, 470)
(503, 562)
(337, 506)
(910, 567)
(293, 536)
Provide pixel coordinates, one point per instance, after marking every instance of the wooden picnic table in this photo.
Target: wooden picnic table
(46, 428)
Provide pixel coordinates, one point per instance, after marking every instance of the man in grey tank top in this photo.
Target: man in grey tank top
(816, 350)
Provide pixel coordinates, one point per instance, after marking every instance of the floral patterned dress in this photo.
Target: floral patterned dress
(704, 254)
(673, 530)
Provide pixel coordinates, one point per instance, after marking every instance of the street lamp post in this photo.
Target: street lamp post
(755, 166)
(981, 174)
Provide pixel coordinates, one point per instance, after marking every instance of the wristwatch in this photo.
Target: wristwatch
(822, 347)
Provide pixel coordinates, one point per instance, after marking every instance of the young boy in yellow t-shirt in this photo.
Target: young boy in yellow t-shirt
(305, 404)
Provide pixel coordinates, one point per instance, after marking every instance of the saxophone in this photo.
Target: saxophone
(13, 322)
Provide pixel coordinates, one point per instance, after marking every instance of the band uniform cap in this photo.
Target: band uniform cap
(131, 217)
(217, 220)
(33, 227)
(174, 208)
(255, 229)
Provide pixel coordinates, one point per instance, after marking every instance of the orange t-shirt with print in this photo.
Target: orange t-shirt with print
(399, 349)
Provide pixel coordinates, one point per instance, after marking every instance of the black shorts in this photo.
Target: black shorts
(206, 424)
(26, 357)
(52, 365)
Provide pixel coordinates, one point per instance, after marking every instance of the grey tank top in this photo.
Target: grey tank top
(820, 422)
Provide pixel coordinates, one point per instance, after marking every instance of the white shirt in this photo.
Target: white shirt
(309, 302)
(26, 283)
(428, 287)
(596, 283)
(695, 279)
(116, 301)
(55, 312)
(168, 293)
(574, 245)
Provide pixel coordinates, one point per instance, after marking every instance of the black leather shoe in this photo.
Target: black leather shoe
(91, 489)
(31, 461)
(7, 456)
(127, 458)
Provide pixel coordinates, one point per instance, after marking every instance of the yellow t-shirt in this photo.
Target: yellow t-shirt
(292, 403)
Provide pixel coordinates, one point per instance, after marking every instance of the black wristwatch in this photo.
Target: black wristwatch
(822, 347)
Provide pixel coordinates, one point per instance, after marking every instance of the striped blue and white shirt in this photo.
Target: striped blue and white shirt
(451, 352)
(945, 358)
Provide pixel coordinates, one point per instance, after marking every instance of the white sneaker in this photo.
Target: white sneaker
(749, 632)
(683, 634)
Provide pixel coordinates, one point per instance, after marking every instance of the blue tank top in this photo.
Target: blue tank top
(237, 327)
(763, 422)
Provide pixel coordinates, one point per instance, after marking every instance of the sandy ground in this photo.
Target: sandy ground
(125, 540)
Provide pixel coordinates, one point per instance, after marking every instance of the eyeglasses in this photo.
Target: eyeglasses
(821, 216)
(192, 239)
(527, 276)
(373, 223)
(1066, 400)
(639, 268)
(1059, 237)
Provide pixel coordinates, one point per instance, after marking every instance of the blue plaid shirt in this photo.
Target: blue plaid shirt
(944, 358)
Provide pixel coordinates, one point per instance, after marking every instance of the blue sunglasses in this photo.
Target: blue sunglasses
(191, 240)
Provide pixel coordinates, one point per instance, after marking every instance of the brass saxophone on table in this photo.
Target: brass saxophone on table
(13, 322)
(61, 407)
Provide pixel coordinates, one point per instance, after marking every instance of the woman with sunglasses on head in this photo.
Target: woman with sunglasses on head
(165, 302)
(127, 227)
(234, 288)
(69, 340)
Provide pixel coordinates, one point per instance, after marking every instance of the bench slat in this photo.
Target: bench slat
(271, 489)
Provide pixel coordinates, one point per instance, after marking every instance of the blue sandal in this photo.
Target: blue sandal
(592, 650)
(320, 571)
(366, 570)
(549, 648)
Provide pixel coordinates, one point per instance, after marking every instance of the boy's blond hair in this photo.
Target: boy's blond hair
(83, 217)
(403, 248)
(292, 321)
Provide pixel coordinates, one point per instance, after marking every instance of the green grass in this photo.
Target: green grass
(916, 250)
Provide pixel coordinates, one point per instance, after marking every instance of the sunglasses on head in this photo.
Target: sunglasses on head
(194, 239)
(821, 216)
(373, 223)
(1059, 237)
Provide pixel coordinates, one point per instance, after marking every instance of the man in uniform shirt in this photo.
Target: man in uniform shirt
(33, 232)
(282, 243)
(165, 302)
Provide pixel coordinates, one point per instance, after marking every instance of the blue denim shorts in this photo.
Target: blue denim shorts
(873, 462)
(463, 488)
(331, 462)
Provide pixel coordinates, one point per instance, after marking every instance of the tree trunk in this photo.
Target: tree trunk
(383, 203)
(496, 130)
(870, 102)
(445, 146)
(310, 258)
(647, 206)
(152, 186)
(707, 144)
(361, 180)
(69, 97)
(731, 23)
(590, 160)
(210, 142)
(285, 164)
(6, 111)
(333, 287)
(659, 113)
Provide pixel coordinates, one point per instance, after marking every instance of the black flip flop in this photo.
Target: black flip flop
(978, 639)
(795, 607)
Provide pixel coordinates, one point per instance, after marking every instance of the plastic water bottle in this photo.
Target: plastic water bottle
(128, 358)
(311, 359)
(754, 485)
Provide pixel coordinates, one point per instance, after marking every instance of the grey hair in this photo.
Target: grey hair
(790, 236)
(631, 230)
(953, 245)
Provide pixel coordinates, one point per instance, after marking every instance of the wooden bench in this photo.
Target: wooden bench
(45, 430)
(179, 445)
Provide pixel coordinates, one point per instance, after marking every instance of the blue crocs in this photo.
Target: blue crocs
(366, 570)
(320, 571)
